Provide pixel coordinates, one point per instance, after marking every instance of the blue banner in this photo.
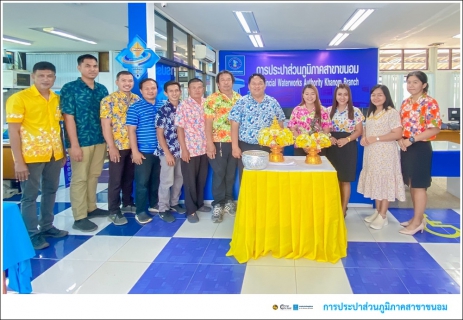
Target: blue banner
(287, 72)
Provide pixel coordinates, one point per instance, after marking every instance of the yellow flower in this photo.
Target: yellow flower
(316, 140)
(275, 136)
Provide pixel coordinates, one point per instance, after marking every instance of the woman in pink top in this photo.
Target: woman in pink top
(309, 116)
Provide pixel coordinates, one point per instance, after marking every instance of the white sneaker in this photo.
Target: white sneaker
(372, 217)
(379, 222)
(217, 214)
(230, 208)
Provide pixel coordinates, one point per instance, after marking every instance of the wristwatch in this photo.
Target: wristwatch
(377, 138)
(412, 140)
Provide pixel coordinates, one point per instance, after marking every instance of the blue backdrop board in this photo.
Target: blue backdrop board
(287, 72)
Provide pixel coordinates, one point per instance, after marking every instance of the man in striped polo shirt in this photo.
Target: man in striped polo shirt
(143, 142)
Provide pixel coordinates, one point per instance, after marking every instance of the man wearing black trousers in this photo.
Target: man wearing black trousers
(219, 148)
(113, 114)
(191, 131)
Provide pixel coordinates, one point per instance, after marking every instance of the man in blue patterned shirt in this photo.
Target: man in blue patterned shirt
(251, 113)
(80, 105)
(169, 154)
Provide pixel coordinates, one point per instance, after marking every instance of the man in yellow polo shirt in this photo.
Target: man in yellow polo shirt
(33, 117)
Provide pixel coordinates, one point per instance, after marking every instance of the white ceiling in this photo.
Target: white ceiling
(284, 26)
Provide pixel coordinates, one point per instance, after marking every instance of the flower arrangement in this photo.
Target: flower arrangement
(275, 136)
(317, 140)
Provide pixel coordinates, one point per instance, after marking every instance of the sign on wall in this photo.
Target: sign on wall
(137, 58)
(287, 72)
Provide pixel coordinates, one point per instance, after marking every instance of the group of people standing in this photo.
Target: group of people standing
(398, 150)
(162, 149)
(385, 170)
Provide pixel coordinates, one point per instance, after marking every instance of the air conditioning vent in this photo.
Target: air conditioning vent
(204, 53)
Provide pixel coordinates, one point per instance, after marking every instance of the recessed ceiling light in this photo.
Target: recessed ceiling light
(356, 19)
(17, 40)
(63, 34)
(338, 39)
(247, 21)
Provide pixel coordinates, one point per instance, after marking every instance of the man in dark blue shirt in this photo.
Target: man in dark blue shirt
(143, 142)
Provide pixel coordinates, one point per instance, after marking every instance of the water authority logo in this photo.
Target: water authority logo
(137, 58)
(235, 64)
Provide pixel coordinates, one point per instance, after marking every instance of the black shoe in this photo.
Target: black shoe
(166, 216)
(84, 225)
(131, 208)
(193, 218)
(177, 208)
(143, 218)
(98, 213)
(39, 242)
(117, 218)
(204, 209)
(54, 233)
(154, 209)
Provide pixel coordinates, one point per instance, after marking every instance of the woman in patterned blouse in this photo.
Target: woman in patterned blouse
(421, 123)
(308, 116)
(346, 127)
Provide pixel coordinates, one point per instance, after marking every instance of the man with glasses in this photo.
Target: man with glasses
(251, 113)
(219, 148)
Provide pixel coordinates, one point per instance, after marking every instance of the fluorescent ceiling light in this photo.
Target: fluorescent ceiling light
(456, 36)
(259, 40)
(338, 39)
(163, 37)
(356, 19)
(253, 40)
(159, 35)
(256, 40)
(17, 40)
(62, 33)
(247, 21)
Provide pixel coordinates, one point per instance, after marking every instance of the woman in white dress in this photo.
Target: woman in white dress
(381, 175)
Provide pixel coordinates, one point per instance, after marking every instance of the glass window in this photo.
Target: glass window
(211, 67)
(183, 80)
(443, 61)
(210, 81)
(198, 64)
(160, 39)
(455, 59)
(390, 60)
(180, 44)
(416, 59)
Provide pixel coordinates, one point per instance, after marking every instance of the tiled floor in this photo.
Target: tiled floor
(181, 257)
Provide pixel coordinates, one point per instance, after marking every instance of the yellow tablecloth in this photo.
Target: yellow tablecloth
(293, 211)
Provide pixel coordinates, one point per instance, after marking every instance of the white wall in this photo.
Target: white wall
(447, 91)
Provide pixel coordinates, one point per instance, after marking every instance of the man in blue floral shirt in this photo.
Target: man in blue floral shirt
(251, 113)
(169, 154)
